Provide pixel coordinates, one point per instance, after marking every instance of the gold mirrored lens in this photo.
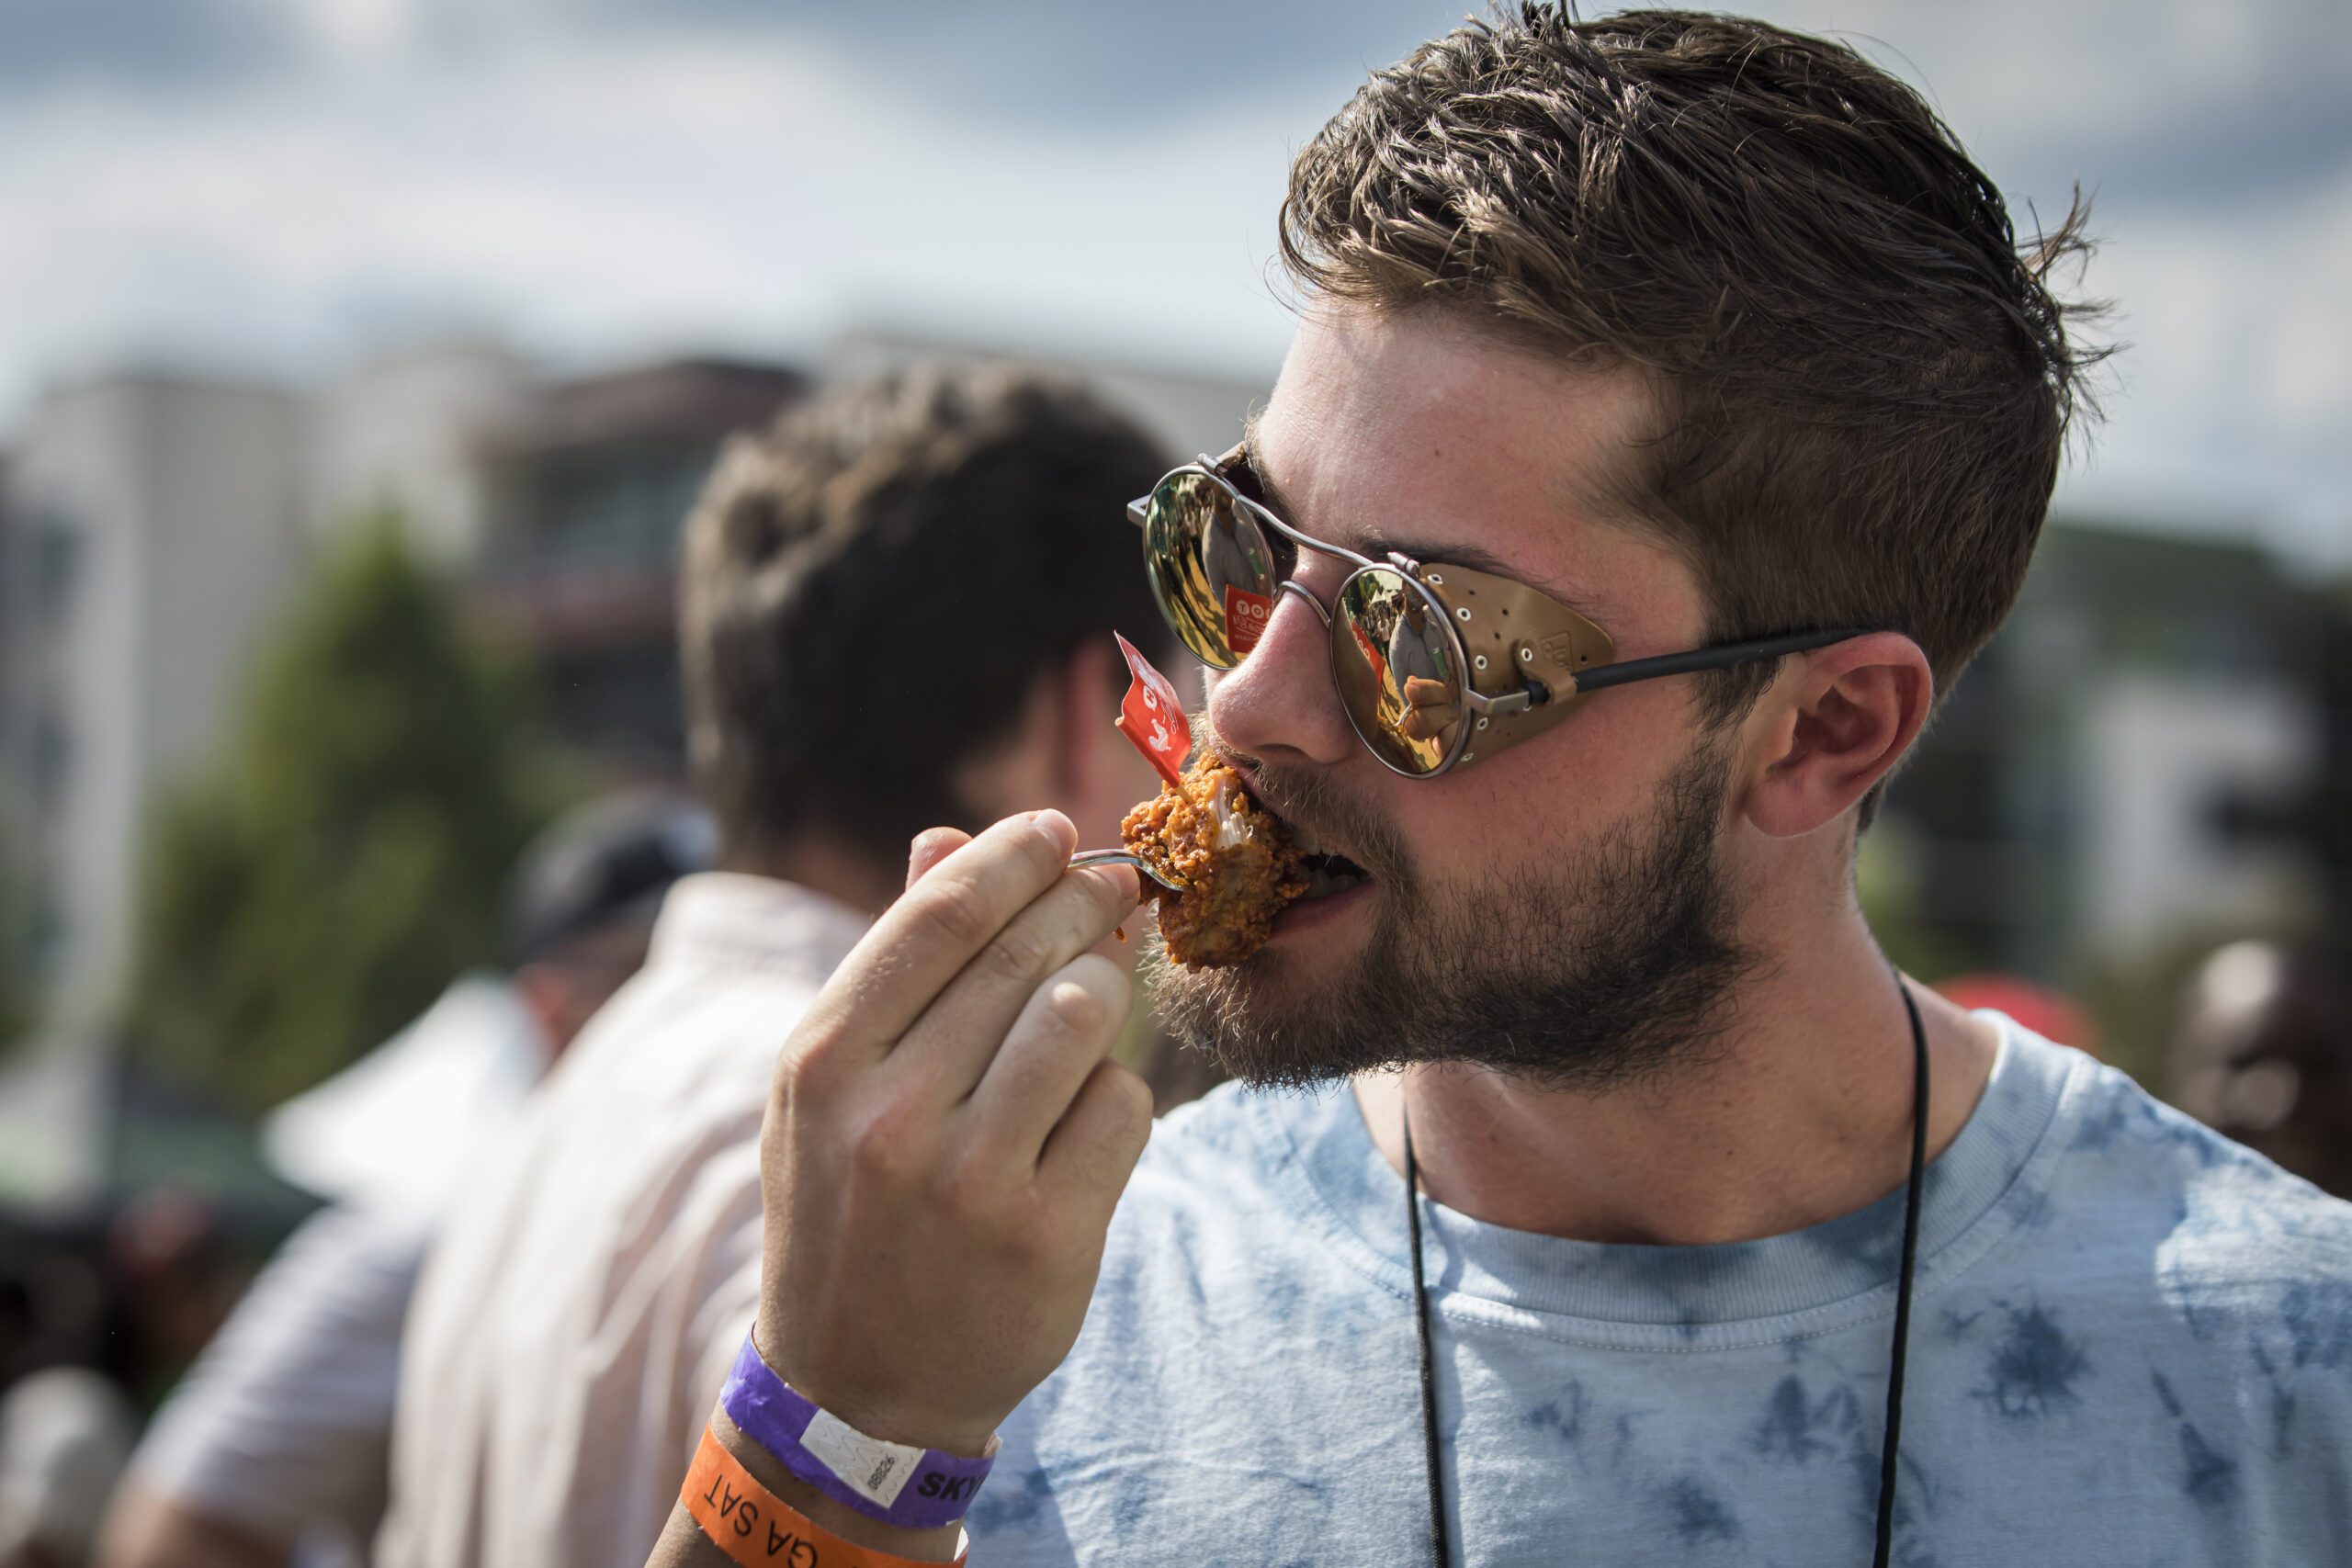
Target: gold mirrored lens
(1398, 668)
(1210, 567)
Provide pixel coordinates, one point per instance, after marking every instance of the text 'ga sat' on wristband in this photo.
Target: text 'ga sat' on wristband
(901, 1484)
(760, 1529)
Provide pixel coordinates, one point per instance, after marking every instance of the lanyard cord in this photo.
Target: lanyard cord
(1887, 1452)
(1439, 1553)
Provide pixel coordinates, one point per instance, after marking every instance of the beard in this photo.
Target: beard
(1611, 970)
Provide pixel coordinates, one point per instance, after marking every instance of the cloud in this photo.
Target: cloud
(608, 193)
(2169, 102)
(1065, 62)
(1038, 61)
(48, 47)
(2235, 388)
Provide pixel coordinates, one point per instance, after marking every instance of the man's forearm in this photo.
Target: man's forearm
(684, 1544)
(145, 1529)
(994, 1199)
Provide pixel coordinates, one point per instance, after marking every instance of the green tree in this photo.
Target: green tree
(348, 854)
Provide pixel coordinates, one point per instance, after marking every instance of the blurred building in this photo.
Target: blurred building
(1188, 411)
(150, 523)
(2075, 800)
(585, 488)
(402, 430)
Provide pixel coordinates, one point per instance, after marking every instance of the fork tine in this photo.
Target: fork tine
(1122, 857)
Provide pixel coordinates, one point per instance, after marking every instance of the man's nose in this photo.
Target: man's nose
(1281, 704)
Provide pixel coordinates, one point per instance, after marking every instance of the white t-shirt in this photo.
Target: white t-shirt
(282, 1426)
(589, 1290)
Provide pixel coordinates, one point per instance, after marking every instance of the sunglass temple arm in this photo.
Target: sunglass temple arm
(1718, 658)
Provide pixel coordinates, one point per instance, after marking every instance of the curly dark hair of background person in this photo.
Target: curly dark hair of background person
(871, 587)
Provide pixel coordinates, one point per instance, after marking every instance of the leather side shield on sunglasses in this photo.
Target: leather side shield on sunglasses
(1505, 643)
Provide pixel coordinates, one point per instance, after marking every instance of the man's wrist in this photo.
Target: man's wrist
(964, 1439)
(915, 1486)
(937, 1545)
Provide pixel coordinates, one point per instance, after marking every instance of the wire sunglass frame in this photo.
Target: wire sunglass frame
(1551, 658)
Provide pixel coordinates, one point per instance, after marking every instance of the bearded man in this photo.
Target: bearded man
(1688, 377)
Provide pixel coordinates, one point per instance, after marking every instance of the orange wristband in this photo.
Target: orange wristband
(760, 1529)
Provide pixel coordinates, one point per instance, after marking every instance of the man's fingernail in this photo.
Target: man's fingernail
(917, 850)
(1057, 830)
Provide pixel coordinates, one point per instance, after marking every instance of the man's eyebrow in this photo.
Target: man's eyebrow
(1270, 494)
(1378, 546)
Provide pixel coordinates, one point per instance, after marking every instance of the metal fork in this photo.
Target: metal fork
(1121, 857)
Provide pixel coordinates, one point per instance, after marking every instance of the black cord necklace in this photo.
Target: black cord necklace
(1441, 1554)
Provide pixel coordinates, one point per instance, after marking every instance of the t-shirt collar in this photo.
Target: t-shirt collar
(1976, 1190)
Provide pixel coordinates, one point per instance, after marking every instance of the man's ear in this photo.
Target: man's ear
(1051, 754)
(544, 994)
(1087, 698)
(1832, 725)
(1024, 767)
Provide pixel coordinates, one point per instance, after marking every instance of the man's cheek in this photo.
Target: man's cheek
(1458, 857)
(1448, 828)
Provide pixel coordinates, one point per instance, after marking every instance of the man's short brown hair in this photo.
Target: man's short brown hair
(1866, 381)
(872, 588)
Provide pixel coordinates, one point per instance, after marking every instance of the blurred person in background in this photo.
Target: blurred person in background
(274, 1450)
(172, 1279)
(119, 1328)
(65, 1434)
(2264, 1055)
(896, 609)
(118, 1331)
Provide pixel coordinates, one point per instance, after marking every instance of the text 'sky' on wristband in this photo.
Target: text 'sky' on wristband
(760, 1529)
(901, 1484)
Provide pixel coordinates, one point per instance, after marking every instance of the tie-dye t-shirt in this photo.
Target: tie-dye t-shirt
(2131, 1344)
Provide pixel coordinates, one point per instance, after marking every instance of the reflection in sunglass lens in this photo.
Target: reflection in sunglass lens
(1398, 668)
(1210, 567)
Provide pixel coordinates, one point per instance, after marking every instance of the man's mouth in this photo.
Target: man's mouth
(1328, 870)
(1334, 876)
(1327, 873)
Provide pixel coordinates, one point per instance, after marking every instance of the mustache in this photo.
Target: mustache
(1308, 799)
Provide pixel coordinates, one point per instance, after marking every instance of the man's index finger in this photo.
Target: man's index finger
(924, 939)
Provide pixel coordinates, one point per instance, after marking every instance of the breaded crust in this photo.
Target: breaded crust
(1236, 860)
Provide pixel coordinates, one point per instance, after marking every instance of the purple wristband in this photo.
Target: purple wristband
(918, 1488)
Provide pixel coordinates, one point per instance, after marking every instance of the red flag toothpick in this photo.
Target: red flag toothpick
(1152, 717)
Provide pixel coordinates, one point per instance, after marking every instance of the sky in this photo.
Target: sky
(274, 186)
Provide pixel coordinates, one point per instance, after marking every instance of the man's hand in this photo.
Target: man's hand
(1429, 708)
(946, 1139)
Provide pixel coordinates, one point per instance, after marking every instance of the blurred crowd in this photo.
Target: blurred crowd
(897, 611)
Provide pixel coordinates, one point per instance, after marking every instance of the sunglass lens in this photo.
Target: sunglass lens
(1399, 669)
(1210, 567)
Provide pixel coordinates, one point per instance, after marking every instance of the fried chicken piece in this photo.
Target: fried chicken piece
(1235, 858)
